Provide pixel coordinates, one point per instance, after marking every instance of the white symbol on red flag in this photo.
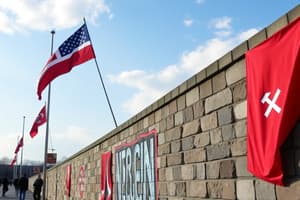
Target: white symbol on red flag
(271, 102)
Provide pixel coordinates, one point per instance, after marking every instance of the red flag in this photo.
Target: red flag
(106, 184)
(273, 71)
(13, 161)
(40, 120)
(19, 145)
(76, 50)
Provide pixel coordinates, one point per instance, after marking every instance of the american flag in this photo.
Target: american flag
(80, 37)
(76, 50)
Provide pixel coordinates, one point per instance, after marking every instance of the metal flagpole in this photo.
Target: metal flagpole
(47, 129)
(21, 165)
(100, 76)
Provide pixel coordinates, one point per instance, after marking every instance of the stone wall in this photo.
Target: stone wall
(201, 134)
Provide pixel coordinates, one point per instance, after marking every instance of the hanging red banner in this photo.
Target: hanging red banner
(68, 180)
(106, 183)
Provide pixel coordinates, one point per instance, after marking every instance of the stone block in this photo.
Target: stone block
(180, 189)
(183, 87)
(212, 170)
(225, 60)
(170, 122)
(195, 155)
(228, 133)
(294, 13)
(221, 189)
(202, 140)
(174, 159)
(191, 128)
(240, 128)
(181, 102)
(209, 121)
(198, 109)
(175, 92)
(218, 151)
(173, 107)
(245, 189)
(173, 134)
(161, 138)
(241, 167)
(227, 169)
(239, 147)
(162, 188)
(171, 189)
(239, 92)
(178, 118)
(177, 173)
(169, 174)
(206, 89)
(292, 192)
(225, 116)
(164, 149)
(176, 146)
(257, 38)
(196, 189)
(264, 190)
(211, 69)
(162, 174)
(162, 161)
(188, 172)
(187, 143)
(200, 76)
(200, 171)
(192, 96)
(240, 50)
(240, 110)
(218, 100)
(163, 125)
(277, 25)
(236, 72)
(219, 82)
(188, 114)
(215, 136)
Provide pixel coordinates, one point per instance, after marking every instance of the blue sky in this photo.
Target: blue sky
(144, 49)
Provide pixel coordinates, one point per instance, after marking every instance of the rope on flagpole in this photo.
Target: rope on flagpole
(102, 82)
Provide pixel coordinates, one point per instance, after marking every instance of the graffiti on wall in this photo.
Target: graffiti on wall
(81, 181)
(136, 168)
(106, 182)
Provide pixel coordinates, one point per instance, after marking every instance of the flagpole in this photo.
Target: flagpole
(47, 129)
(100, 76)
(21, 165)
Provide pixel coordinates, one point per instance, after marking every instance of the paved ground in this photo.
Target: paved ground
(11, 194)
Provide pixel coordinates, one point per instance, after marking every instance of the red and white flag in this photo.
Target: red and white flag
(273, 92)
(40, 120)
(13, 161)
(76, 50)
(19, 145)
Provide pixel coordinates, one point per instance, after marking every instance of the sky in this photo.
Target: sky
(144, 49)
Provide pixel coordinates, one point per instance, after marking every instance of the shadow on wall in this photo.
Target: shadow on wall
(290, 154)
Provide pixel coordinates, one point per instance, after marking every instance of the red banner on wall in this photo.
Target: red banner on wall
(106, 183)
(81, 181)
(68, 180)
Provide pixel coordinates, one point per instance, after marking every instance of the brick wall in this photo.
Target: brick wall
(201, 132)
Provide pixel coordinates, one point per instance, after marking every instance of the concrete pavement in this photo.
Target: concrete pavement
(11, 194)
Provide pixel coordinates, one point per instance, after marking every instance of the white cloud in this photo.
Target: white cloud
(222, 23)
(151, 86)
(43, 15)
(188, 22)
